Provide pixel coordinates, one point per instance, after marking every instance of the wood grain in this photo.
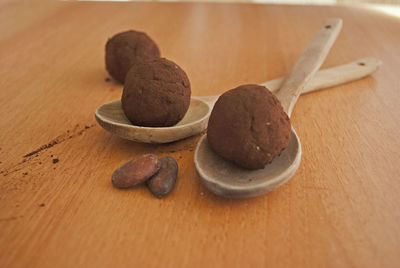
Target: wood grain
(339, 210)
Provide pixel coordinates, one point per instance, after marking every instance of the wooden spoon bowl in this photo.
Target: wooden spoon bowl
(112, 118)
(228, 180)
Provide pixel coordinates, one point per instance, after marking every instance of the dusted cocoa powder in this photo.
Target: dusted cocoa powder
(126, 49)
(136, 171)
(248, 126)
(163, 182)
(156, 93)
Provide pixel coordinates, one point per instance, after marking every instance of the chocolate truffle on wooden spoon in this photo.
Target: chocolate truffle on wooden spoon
(226, 179)
(248, 126)
(126, 49)
(156, 94)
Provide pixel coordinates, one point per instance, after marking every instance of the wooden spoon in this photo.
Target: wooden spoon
(111, 117)
(226, 179)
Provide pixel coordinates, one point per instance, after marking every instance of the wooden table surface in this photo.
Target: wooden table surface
(341, 209)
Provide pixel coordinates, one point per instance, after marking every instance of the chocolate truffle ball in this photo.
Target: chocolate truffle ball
(126, 49)
(248, 126)
(156, 94)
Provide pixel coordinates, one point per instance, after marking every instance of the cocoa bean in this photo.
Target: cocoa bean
(136, 171)
(163, 182)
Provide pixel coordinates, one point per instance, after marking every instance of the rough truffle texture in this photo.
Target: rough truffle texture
(126, 49)
(248, 126)
(156, 94)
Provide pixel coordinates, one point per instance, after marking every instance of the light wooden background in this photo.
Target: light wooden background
(341, 209)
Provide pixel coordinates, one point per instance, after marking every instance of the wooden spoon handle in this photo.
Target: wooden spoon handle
(308, 63)
(323, 78)
(333, 76)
